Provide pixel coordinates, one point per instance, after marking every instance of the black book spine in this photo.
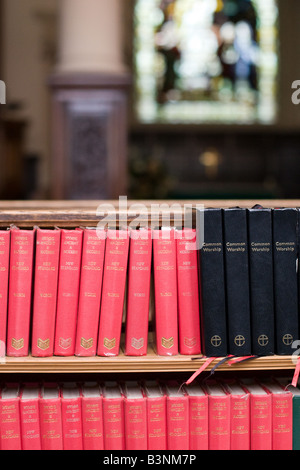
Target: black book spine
(212, 286)
(261, 281)
(237, 281)
(285, 253)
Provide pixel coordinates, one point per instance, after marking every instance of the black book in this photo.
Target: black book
(261, 281)
(212, 285)
(285, 254)
(237, 281)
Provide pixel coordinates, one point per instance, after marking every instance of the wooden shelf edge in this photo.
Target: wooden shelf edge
(127, 364)
(85, 213)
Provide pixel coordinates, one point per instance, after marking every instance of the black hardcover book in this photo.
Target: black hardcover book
(261, 281)
(212, 285)
(237, 281)
(285, 254)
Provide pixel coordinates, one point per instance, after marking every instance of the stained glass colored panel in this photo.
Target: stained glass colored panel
(206, 61)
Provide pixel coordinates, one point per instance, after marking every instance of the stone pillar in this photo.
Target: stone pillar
(89, 102)
(91, 36)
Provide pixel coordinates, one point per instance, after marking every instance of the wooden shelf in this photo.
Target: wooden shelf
(126, 364)
(76, 213)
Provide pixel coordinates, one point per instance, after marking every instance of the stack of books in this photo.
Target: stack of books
(153, 415)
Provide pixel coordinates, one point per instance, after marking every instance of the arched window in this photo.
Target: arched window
(206, 61)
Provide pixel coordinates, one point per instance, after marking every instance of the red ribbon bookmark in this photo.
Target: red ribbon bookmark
(241, 359)
(201, 369)
(296, 373)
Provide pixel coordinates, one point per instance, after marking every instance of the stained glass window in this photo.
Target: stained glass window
(206, 61)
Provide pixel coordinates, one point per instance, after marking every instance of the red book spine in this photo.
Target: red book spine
(178, 423)
(20, 292)
(112, 303)
(165, 286)
(198, 419)
(30, 424)
(72, 423)
(240, 422)
(219, 422)
(51, 424)
(90, 292)
(113, 420)
(135, 415)
(139, 275)
(188, 293)
(10, 429)
(68, 292)
(282, 421)
(45, 291)
(261, 422)
(4, 275)
(157, 423)
(92, 423)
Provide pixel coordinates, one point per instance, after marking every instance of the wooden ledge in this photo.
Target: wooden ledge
(125, 364)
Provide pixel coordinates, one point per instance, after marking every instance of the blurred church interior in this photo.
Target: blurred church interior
(153, 99)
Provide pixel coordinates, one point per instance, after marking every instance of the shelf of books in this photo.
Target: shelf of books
(75, 297)
(126, 288)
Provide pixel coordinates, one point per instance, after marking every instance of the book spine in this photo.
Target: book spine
(51, 424)
(92, 423)
(20, 292)
(156, 423)
(261, 422)
(72, 423)
(178, 423)
(138, 293)
(285, 279)
(45, 292)
(135, 418)
(212, 285)
(165, 287)
(112, 303)
(10, 428)
(4, 276)
(237, 281)
(30, 424)
(296, 423)
(219, 423)
(261, 281)
(240, 422)
(198, 419)
(113, 420)
(68, 292)
(282, 421)
(188, 293)
(90, 292)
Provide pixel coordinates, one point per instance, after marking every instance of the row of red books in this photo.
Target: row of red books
(234, 415)
(64, 291)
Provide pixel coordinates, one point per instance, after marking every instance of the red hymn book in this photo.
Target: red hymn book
(138, 293)
(112, 303)
(68, 292)
(188, 292)
(90, 292)
(45, 291)
(165, 285)
(20, 292)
